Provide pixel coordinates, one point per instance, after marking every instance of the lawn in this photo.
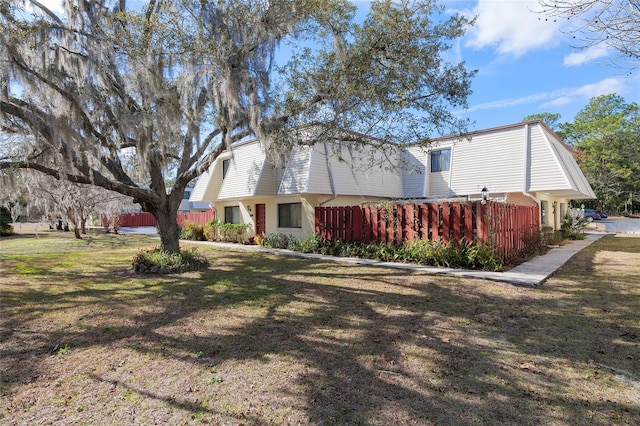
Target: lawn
(264, 340)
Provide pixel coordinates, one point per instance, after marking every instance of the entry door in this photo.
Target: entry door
(261, 224)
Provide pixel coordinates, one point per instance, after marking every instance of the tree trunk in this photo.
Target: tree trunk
(168, 229)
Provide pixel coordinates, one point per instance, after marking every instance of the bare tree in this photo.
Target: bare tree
(72, 201)
(614, 24)
(126, 97)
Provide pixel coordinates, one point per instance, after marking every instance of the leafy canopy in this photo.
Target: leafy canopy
(125, 96)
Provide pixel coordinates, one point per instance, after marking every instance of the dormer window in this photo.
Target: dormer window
(440, 160)
(225, 167)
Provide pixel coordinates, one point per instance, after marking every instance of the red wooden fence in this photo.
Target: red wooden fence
(146, 219)
(504, 226)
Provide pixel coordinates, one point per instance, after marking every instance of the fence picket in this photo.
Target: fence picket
(505, 227)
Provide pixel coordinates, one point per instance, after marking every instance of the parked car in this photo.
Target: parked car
(591, 215)
(603, 215)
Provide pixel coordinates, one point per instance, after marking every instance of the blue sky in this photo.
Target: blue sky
(525, 64)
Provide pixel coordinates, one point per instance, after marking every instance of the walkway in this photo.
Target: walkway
(530, 274)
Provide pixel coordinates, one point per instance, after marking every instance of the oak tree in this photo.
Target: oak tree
(127, 96)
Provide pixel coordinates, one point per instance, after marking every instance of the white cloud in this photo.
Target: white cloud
(556, 98)
(585, 56)
(557, 102)
(511, 27)
(604, 87)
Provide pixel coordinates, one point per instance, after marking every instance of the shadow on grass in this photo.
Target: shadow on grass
(380, 347)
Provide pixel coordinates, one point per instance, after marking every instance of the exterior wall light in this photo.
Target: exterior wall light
(485, 195)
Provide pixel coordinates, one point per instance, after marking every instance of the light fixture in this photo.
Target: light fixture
(485, 194)
(249, 209)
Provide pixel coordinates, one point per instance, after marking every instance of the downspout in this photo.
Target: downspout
(527, 164)
(331, 182)
(450, 171)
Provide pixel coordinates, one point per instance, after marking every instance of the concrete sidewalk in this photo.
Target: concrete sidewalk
(530, 274)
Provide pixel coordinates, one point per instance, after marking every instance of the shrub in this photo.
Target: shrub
(156, 261)
(233, 232)
(192, 231)
(311, 244)
(5, 220)
(573, 227)
(279, 240)
(214, 230)
(210, 230)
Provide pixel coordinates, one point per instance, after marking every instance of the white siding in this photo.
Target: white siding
(318, 178)
(414, 172)
(247, 162)
(546, 171)
(199, 190)
(494, 160)
(575, 178)
(365, 171)
(296, 174)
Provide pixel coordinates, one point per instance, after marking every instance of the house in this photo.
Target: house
(523, 163)
(191, 206)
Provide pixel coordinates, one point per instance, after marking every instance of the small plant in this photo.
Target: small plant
(233, 232)
(279, 240)
(192, 231)
(214, 230)
(210, 230)
(64, 350)
(157, 261)
(573, 227)
(217, 378)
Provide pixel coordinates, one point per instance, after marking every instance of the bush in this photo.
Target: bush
(192, 231)
(214, 230)
(280, 241)
(5, 220)
(573, 228)
(210, 230)
(156, 261)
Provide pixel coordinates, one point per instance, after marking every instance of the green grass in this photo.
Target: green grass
(257, 339)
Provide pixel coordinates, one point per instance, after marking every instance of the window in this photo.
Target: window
(290, 215)
(225, 167)
(232, 214)
(440, 160)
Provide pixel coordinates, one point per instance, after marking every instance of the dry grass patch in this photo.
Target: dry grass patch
(258, 339)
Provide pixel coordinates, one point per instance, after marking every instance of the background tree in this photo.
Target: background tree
(550, 119)
(606, 135)
(71, 201)
(612, 24)
(171, 84)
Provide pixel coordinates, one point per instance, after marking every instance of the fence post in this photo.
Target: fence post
(400, 220)
(356, 227)
(376, 224)
(468, 221)
(481, 223)
(424, 222)
(434, 221)
(446, 219)
(410, 215)
(456, 221)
